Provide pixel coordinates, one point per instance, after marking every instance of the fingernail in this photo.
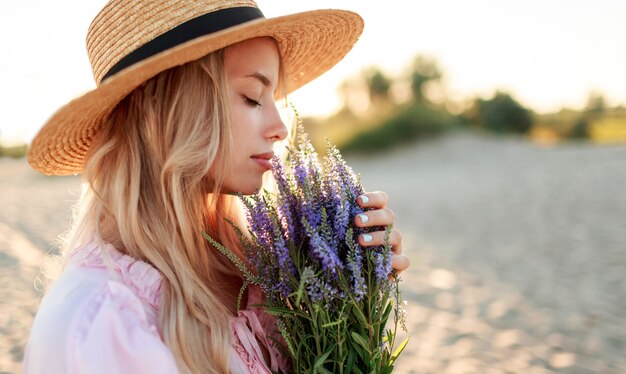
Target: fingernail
(367, 238)
(363, 218)
(364, 199)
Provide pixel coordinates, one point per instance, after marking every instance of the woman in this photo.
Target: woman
(183, 116)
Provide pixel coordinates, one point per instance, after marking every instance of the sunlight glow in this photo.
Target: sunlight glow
(547, 54)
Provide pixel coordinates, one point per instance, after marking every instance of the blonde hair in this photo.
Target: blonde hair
(150, 196)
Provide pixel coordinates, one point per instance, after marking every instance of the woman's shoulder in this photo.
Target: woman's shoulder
(66, 304)
(142, 278)
(89, 320)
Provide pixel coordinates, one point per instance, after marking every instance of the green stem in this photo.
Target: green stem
(396, 312)
(341, 327)
(316, 332)
(369, 306)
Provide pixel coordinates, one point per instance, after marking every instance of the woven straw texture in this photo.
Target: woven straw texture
(310, 43)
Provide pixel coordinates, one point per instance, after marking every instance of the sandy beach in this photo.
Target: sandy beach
(518, 253)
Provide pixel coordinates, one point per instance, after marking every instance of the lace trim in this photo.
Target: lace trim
(246, 328)
(140, 276)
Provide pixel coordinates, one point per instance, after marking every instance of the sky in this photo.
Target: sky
(547, 54)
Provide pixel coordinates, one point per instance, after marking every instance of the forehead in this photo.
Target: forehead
(258, 55)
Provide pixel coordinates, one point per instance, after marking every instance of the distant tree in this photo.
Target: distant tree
(424, 69)
(501, 114)
(580, 129)
(595, 108)
(378, 84)
(596, 105)
(344, 89)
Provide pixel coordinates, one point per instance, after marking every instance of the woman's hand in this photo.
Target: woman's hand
(380, 216)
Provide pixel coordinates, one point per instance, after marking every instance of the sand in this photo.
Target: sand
(518, 253)
(35, 210)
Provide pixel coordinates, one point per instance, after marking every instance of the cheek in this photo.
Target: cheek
(238, 140)
(240, 119)
(245, 129)
(236, 128)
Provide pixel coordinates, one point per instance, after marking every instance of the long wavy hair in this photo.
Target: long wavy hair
(148, 193)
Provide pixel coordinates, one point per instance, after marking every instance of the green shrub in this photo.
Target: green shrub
(408, 124)
(17, 151)
(580, 129)
(502, 114)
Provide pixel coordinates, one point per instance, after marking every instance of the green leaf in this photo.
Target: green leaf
(300, 291)
(350, 361)
(359, 350)
(283, 312)
(386, 313)
(319, 362)
(335, 323)
(361, 341)
(397, 352)
(361, 317)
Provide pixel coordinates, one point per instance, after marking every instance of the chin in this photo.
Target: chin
(244, 189)
(251, 191)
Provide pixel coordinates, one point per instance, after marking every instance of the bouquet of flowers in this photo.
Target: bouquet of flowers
(332, 297)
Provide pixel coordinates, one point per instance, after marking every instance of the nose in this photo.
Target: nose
(275, 129)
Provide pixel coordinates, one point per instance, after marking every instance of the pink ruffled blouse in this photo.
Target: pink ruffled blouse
(96, 321)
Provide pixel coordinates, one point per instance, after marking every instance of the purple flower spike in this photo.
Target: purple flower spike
(322, 251)
(287, 204)
(260, 223)
(383, 266)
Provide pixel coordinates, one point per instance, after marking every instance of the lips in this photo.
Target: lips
(263, 159)
(264, 156)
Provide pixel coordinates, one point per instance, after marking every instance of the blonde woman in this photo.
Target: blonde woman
(183, 115)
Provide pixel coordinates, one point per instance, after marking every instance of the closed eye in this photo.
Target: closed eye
(251, 102)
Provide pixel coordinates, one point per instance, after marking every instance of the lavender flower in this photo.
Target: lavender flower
(287, 204)
(322, 285)
(354, 260)
(322, 251)
(259, 221)
(383, 266)
(309, 223)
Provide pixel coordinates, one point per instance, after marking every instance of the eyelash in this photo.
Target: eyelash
(251, 102)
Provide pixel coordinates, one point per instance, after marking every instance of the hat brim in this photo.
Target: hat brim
(310, 43)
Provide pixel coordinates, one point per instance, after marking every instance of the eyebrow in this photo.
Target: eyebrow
(262, 78)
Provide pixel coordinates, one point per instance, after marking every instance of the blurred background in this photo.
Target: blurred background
(498, 129)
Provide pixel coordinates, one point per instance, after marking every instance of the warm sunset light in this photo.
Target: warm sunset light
(547, 54)
(459, 174)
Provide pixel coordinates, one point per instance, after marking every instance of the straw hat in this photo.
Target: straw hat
(131, 41)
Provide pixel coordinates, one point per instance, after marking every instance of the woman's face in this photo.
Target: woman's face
(252, 72)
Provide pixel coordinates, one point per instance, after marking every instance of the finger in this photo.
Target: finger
(378, 217)
(397, 249)
(376, 199)
(378, 238)
(400, 263)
